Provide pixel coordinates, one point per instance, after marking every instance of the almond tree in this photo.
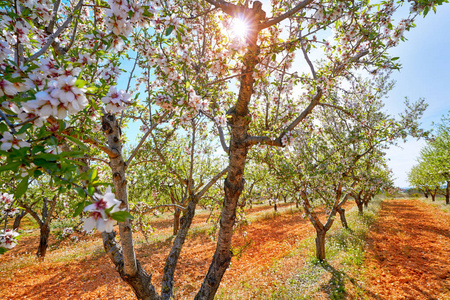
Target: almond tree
(181, 163)
(436, 155)
(324, 164)
(374, 177)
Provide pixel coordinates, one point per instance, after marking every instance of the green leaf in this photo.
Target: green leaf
(3, 250)
(3, 127)
(21, 187)
(80, 192)
(91, 190)
(121, 216)
(169, 29)
(93, 175)
(80, 207)
(24, 128)
(37, 149)
(77, 142)
(10, 166)
(394, 58)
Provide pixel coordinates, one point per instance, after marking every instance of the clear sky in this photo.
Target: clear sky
(425, 58)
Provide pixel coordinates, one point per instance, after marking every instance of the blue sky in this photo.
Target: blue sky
(425, 58)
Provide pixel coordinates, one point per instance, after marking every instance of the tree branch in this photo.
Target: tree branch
(253, 140)
(133, 154)
(214, 180)
(284, 16)
(52, 38)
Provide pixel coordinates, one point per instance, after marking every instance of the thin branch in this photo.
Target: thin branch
(253, 140)
(201, 14)
(163, 205)
(305, 55)
(52, 23)
(214, 180)
(52, 38)
(133, 154)
(222, 140)
(11, 126)
(284, 16)
(72, 39)
(226, 78)
(98, 159)
(27, 121)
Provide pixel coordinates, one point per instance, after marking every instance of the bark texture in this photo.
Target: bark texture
(43, 241)
(341, 212)
(140, 282)
(18, 219)
(320, 244)
(239, 120)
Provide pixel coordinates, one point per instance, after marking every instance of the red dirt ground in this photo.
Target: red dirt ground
(409, 252)
(95, 277)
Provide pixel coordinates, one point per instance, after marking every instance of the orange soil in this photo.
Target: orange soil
(95, 277)
(409, 252)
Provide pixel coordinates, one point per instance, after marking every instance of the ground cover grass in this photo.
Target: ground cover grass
(438, 203)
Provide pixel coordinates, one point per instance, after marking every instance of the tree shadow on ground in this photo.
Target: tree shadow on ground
(335, 288)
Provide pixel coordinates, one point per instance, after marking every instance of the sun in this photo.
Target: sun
(239, 28)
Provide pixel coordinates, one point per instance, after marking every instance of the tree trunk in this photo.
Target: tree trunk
(43, 241)
(447, 193)
(239, 119)
(360, 208)
(341, 212)
(366, 204)
(176, 221)
(172, 258)
(320, 244)
(18, 219)
(433, 197)
(275, 208)
(124, 257)
(140, 282)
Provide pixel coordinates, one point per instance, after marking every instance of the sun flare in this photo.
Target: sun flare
(240, 28)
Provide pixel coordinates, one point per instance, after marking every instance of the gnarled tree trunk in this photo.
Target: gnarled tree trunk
(360, 208)
(43, 241)
(18, 219)
(239, 120)
(320, 244)
(176, 221)
(341, 212)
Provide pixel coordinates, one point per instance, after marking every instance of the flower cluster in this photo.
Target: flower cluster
(8, 238)
(98, 216)
(6, 208)
(124, 16)
(196, 101)
(221, 120)
(66, 232)
(116, 100)
(164, 102)
(285, 140)
(61, 96)
(9, 141)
